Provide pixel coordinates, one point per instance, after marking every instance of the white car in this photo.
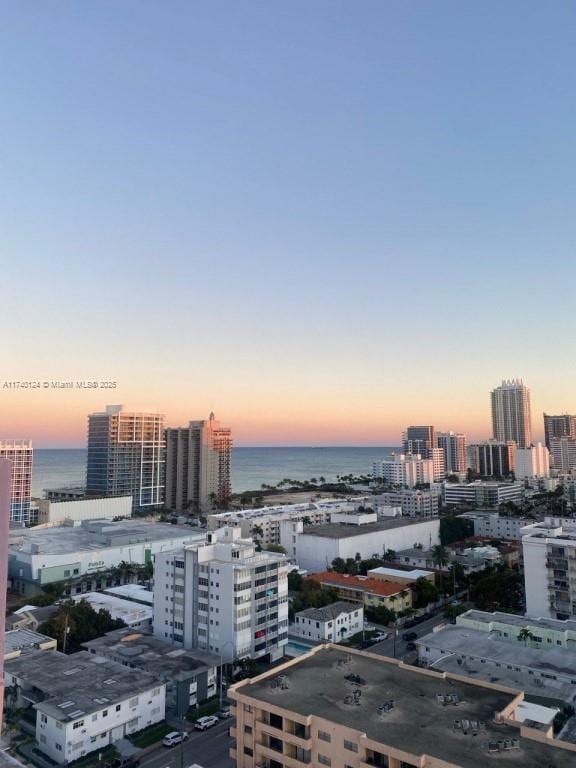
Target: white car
(203, 723)
(379, 636)
(176, 737)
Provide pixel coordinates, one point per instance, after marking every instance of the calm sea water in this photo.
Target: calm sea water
(251, 467)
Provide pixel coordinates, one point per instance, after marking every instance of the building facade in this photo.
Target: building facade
(492, 459)
(332, 623)
(198, 466)
(497, 526)
(454, 447)
(404, 470)
(413, 503)
(75, 511)
(482, 494)
(549, 550)
(419, 440)
(369, 592)
(533, 461)
(20, 454)
(222, 596)
(5, 501)
(511, 415)
(126, 456)
(557, 427)
(563, 453)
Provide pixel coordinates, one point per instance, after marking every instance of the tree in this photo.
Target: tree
(77, 623)
(452, 611)
(275, 548)
(295, 581)
(339, 565)
(503, 590)
(424, 592)
(440, 556)
(453, 528)
(524, 635)
(257, 533)
(389, 556)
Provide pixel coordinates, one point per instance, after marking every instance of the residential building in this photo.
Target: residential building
(135, 593)
(340, 707)
(65, 493)
(494, 525)
(20, 453)
(511, 417)
(317, 546)
(549, 550)
(334, 622)
(492, 459)
(544, 634)
(412, 502)
(126, 454)
(419, 440)
(563, 453)
(461, 650)
(134, 615)
(371, 593)
(82, 556)
(533, 461)
(557, 427)
(482, 494)
(83, 702)
(20, 641)
(198, 466)
(399, 576)
(438, 464)
(454, 447)
(30, 617)
(404, 470)
(191, 677)
(222, 596)
(474, 559)
(75, 510)
(420, 558)
(5, 502)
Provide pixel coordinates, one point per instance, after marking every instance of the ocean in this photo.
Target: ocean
(251, 467)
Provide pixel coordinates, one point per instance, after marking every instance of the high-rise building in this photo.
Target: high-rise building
(19, 452)
(558, 426)
(511, 419)
(549, 550)
(222, 596)
(126, 456)
(563, 453)
(198, 466)
(454, 447)
(492, 458)
(5, 501)
(532, 462)
(404, 469)
(419, 440)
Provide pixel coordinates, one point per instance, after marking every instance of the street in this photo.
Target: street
(207, 748)
(386, 647)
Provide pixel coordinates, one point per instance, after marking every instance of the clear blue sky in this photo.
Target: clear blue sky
(323, 219)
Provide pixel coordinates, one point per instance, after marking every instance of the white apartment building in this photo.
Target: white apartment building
(455, 454)
(83, 702)
(413, 503)
(511, 416)
(545, 634)
(494, 525)
(549, 550)
(332, 623)
(563, 453)
(438, 463)
(222, 596)
(532, 462)
(75, 511)
(483, 494)
(404, 470)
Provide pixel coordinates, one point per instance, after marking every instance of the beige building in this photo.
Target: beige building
(343, 708)
(198, 466)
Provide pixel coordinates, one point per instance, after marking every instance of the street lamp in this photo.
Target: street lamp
(228, 642)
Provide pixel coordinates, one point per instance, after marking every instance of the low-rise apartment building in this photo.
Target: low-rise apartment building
(371, 593)
(482, 494)
(74, 511)
(412, 502)
(339, 707)
(492, 524)
(83, 702)
(538, 632)
(333, 623)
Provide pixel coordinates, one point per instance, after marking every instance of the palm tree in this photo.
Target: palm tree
(524, 635)
(440, 556)
(257, 533)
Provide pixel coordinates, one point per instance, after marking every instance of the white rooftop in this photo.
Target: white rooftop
(130, 612)
(412, 575)
(134, 592)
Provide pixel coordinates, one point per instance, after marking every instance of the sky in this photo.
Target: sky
(322, 220)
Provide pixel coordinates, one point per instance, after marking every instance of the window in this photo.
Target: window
(105, 713)
(43, 719)
(78, 724)
(323, 736)
(324, 760)
(59, 747)
(248, 751)
(118, 707)
(247, 707)
(351, 746)
(248, 729)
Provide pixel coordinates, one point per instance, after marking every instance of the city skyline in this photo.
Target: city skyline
(322, 224)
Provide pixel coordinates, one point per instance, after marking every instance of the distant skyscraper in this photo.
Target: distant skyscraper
(454, 447)
(419, 440)
(126, 454)
(20, 454)
(558, 426)
(198, 465)
(493, 459)
(5, 502)
(532, 462)
(563, 453)
(511, 419)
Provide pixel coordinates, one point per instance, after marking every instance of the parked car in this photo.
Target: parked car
(379, 636)
(409, 636)
(173, 738)
(223, 713)
(410, 646)
(203, 723)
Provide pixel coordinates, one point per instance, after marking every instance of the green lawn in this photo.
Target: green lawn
(150, 735)
(107, 754)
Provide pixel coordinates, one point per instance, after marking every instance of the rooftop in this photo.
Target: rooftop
(417, 722)
(329, 612)
(343, 531)
(411, 575)
(94, 535)
(136, 592)
(24, 639)
(77, 684)
(126, 610)
(363, 583)
(149, 653)
(558, 625)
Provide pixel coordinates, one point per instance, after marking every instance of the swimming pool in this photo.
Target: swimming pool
(294, 648)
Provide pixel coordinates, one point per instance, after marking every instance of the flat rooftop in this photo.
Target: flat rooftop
(126, 610)
(412, 575)
(77, 684)
(343, 530)
(23, 640)
(95, 535)
(148, 652)
(558, 625)
(136, 592)
(417, 723)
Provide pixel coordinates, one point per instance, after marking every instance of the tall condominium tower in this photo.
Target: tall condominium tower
(419, 440)
(454, 447)
(511, 419)
(5, 501)
(126, 455)
(198, 465)
(20, 454)
(558, 426)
